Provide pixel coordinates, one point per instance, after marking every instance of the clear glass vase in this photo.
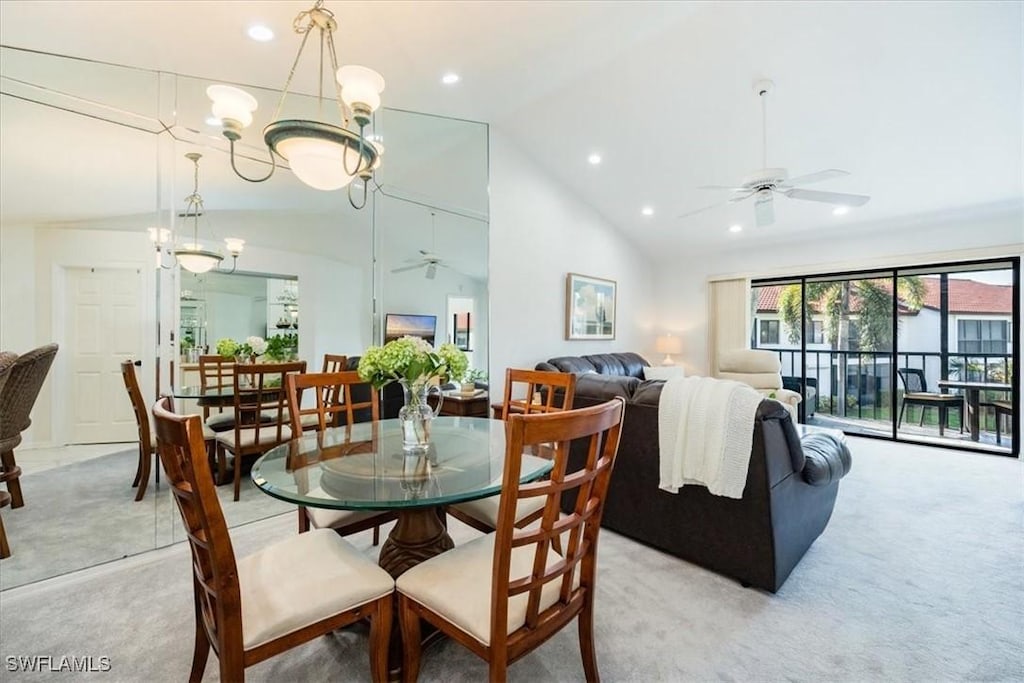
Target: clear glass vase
(416, 414)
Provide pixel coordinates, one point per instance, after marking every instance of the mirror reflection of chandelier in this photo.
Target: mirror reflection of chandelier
(192, 256)
(322, 155)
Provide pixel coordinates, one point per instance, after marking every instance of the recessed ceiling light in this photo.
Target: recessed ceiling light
(594, 158)
(212, 121)
(840, 210)
(450, 78)
(260, 33)
(647, 211)
(735, 228)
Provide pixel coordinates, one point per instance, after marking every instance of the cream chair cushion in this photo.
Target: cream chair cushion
(328, 519)
(301, 580)
(268, 435)
(457, 585)
(486, 509)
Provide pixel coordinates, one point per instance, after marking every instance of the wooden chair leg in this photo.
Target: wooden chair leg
(238, 475)
(201, 651)
(380, 639)
(5, 549)
(138, 469)
(303, 520)
(409, 623)
(144, 480)
(587, 651)
(376, 535)
(11, 473)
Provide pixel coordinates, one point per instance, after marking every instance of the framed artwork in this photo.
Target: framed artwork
(589, 307)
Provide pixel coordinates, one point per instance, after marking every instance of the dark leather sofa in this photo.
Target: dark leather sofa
(789, 496)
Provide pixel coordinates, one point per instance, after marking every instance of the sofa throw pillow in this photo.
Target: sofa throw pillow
(664, 372)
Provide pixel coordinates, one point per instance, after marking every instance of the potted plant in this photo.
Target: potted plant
(282, 347)
(469, 380)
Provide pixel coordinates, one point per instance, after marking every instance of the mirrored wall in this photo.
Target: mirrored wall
(91, 155)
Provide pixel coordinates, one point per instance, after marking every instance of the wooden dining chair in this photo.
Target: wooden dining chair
(335, 363)
(261, 416)
(16, 402)
(333, 398)
(503, 594)
(217, 372)
(282, 596)
(557, 390)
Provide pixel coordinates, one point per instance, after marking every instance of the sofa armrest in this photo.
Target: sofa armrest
(826, 458)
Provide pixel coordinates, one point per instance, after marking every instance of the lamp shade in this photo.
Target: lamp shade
(360, 85)
(232, 104)
(234, 245)
(668, 344)
(195, 259)
(318, 162)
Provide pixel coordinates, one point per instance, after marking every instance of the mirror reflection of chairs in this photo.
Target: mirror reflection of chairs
(915, 393)
(286, 594)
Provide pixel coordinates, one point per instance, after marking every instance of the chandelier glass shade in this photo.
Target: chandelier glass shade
(323, 155)
(193, 256)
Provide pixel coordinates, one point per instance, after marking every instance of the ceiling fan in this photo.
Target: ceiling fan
(765, 183)
(428, 259)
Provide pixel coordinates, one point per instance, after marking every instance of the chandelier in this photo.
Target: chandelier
(322, 155)
(191, 255)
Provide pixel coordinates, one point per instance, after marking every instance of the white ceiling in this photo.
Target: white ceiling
(920, 101)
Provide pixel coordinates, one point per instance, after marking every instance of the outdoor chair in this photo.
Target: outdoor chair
(915, 393)
(7, 360)
(16, 401)
(1002, 409)
(504, 594)
(283, 595)
(559, 389)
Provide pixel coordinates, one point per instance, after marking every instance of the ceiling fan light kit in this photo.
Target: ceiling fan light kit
(322, 155)
(766, 182)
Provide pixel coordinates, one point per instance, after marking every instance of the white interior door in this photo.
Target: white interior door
(104, 327)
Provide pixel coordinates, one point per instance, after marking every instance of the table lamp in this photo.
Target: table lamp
(668, 344)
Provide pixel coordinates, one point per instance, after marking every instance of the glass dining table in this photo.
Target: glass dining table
(363, 467)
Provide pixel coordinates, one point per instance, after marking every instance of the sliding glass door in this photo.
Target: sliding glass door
(923, 354)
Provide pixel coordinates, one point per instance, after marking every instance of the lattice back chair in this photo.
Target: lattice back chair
(7, 360)
(504, 594)
(147, 440)
(282, 596)
(326, 386)
(558, 390)
(545, 391)
(262, 418)
(915, 393)
(16, 402)
(217, 373)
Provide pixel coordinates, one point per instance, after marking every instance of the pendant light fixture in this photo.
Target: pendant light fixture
(191, 255)
(323, 155)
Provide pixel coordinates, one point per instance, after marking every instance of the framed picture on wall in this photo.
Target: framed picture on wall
(589, 307)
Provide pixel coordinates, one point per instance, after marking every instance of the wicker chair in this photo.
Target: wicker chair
(16, 400)
(7, 360)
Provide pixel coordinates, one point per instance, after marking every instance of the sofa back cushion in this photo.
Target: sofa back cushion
(574, 364)
(623, 364)
(596, 388)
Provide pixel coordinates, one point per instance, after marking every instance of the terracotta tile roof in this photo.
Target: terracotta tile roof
(965, 296)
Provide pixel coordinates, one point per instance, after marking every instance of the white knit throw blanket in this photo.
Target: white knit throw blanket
(705, 432)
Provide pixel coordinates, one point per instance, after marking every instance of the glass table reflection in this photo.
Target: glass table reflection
(363, 467)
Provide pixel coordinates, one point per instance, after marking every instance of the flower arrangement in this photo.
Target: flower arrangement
(227, 347)
(252, 346)
(412, 361)
(474, 375)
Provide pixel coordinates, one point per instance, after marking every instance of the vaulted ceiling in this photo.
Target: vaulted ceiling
(920, 101)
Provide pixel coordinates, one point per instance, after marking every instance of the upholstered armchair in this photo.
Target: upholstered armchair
(760, 369)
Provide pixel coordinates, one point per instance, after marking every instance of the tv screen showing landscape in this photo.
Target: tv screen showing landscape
(400, 325)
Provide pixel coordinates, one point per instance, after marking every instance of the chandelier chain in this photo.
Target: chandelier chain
(291, 74)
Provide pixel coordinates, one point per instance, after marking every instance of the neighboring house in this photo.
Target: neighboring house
(979, 326)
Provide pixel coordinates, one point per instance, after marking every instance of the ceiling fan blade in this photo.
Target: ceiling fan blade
(764, 212)
(827, 174)
(721, 187)
(701, 210)
(740, 198)
(839, 198)
(402, 270)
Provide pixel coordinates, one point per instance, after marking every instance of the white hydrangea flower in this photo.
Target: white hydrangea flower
(257, 344)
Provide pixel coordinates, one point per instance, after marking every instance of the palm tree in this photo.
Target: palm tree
(868, 301)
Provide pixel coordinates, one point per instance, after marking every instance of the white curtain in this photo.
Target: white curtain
(729, 318)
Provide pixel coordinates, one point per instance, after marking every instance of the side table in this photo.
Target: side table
(458, 405)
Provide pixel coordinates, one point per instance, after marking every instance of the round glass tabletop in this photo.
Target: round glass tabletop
(363, 467)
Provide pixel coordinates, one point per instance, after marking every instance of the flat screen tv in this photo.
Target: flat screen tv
(402, 324)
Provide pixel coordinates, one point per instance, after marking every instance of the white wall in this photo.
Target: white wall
(682, 285)
(539, 233)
